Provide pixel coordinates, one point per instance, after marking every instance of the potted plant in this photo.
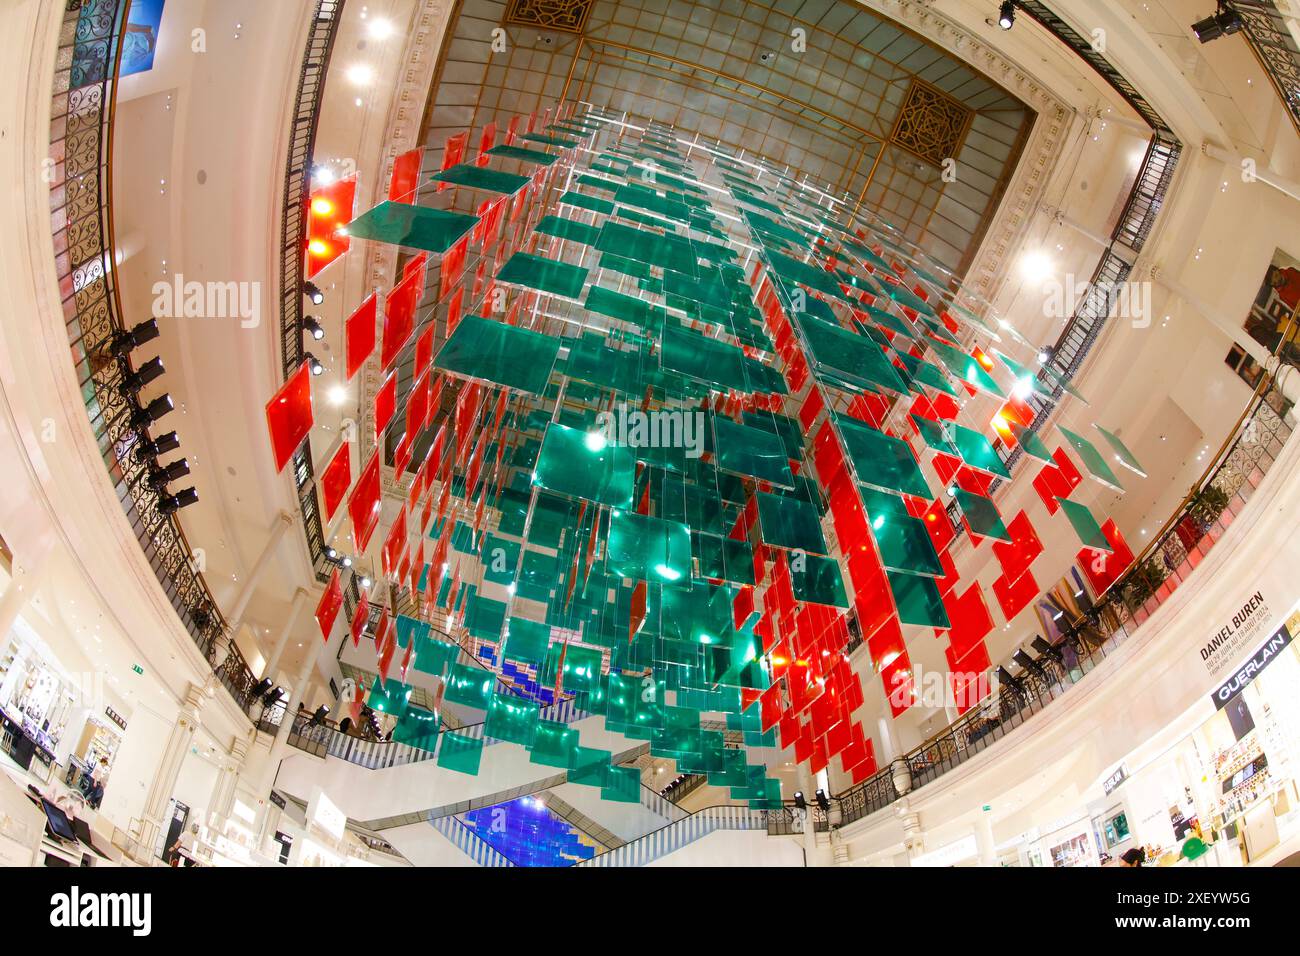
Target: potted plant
(1207, 504)
(1144, 581)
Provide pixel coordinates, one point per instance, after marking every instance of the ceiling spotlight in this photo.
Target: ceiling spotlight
(1045, 354)
(347, 562)
(312, 291)
(316, 367)
(360, 75)
(160, 477)
(380, 29)
(144, 417)
(170, 504)
(365, 582)
(1225, 22)
(126, 340)
(142, 376)
(331, 554)
(159, 446)
(311, 325)
(1007, 15)
(799, 800)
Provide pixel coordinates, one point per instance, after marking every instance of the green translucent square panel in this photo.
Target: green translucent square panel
(583, 465)
(418, 728)
(500, 557)
(1092, 459)
(723, 559)
(549, 140)
(511, 719)
(534, 156)
(554, 744)
(389, 697)
(818, 580)
(505, 354)
(881, 461)
(591, 361)
(751, 451)
(469, 686)
(1085, 525)
(849, 356)
(926, 374)
(649, 549)
(626, 308)
(965, 367)
(903, 542)
(981, 514)
(721, 365)
(622, 785)
(977, 451)
(590, 203)
(934, 434)
(527, 641)
(545, 275)
(581, 668)
(460, 753)
(1028, 440)
(1024, 374)
(480, 177)
(415, 227)
(790, 523)
(569, 229)
(918, 600)
(647, 247)
(1122, 454)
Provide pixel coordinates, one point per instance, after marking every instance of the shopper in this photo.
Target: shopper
(185, 845)
(1133, 857)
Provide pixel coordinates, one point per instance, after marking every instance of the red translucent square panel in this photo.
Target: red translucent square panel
(969, 618)
(364, 504)
(965, 678)
(328, 210)
(1015, 596)
(395, 544)
(886, 643)
(453, 152)
(865, 769)
(359, 333)
(417, 407)
(1016, 555)
(1068, 470)
(385, 404)
(399, 318)
(416, 264)
(336, 479)
(289, 416)
(360, 617)
(1102, 569)
(330, 603)
(950, 574)
(838, 737)
(937, 525)
(423, 351)
(406, 176)
(900, 686)
(1056, 482)
(453, 263)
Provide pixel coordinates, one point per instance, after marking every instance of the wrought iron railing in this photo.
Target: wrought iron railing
(1275, 47)
(81, 142)
(293, 250)
(1179, 548)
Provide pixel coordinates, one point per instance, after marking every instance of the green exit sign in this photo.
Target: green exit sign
(137, 668)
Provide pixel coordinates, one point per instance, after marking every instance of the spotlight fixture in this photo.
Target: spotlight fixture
(1224, 23)
(316, 367)
(365, 582)
(160, 477)
(144, 417)
(1007, 15)
(347, 562)
(332, 554)
(1045, 354)
(273, 696)
(262, 687)
(319, 716)
(823, 801)
(311, 325)
(128, 339)
(157, 446)
(312, 291)
(142, 376)
(799, 800)
(170, 504)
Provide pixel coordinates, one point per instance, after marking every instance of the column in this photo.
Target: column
(282, 639)
(223, 792)
(169, 766)
(235, 617)
(984, 839)
(806, 783)
(1264, 175)
(913, 835)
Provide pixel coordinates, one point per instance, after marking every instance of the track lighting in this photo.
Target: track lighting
(160, 477)
(1007, 15)
(312, 326)
(170, 504)
(144, 417)
(1224, 23)
(312, 291)
(142, 376)
(158, 446)
(316, 367)
(126, 340)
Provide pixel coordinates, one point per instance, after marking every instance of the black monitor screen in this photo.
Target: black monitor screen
(59, 823)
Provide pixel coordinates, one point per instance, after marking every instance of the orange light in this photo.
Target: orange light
(318, 248)
(322, 206)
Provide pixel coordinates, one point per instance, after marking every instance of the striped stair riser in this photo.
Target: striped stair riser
(469, 843)
(654, 846)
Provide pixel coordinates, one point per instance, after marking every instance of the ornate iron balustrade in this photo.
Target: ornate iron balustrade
(1185, 540)
(1275, 48)
(293, 251)
(81, 138)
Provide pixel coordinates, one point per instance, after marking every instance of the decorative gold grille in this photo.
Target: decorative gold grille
(930, 124)
(567, 15)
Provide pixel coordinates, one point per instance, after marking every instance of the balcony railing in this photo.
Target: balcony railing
(1275, 48)
(81, 146)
